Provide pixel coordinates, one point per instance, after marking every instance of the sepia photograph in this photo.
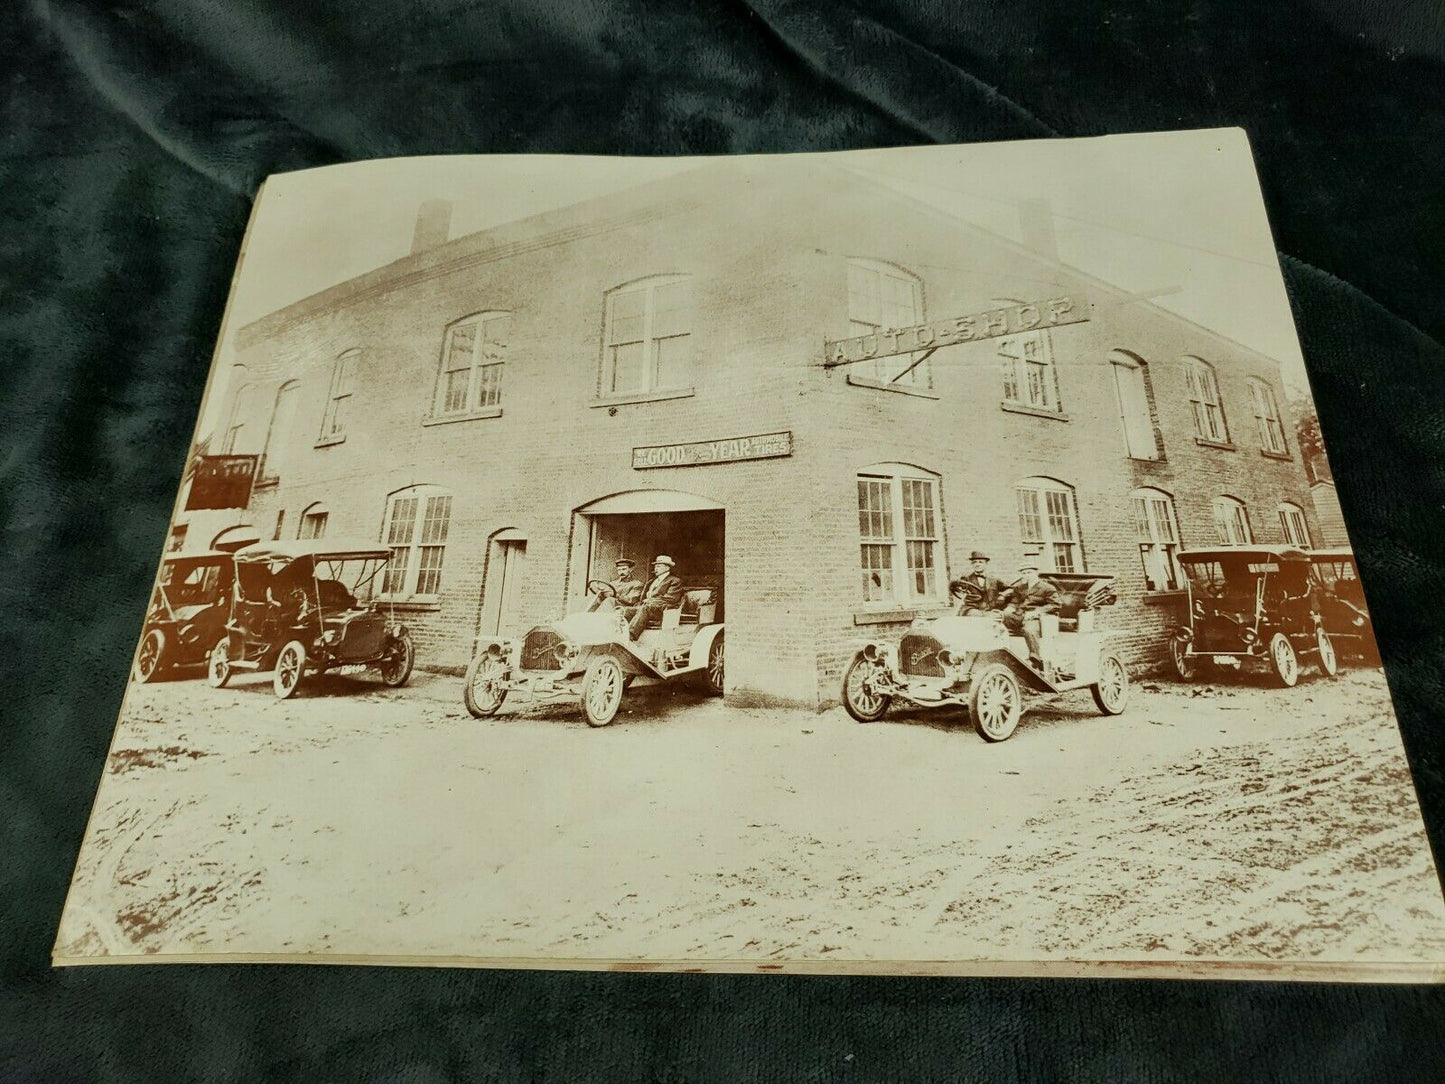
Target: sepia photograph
(918, 561)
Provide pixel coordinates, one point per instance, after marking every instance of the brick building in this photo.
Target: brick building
(512, 409)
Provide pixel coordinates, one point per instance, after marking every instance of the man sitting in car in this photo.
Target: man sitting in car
(626, 588)
(1029, 598)
(664, 591)
(978, 592)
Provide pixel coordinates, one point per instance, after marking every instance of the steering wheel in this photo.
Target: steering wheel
(601, 588)
(1216, 589)
(968, 595)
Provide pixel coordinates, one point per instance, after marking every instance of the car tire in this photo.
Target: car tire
(715, 665)
(1329, 659)
(150, 660)
(1283, 660)
(995, 703)
(290, 669)
(859, 702)
(396, 668)
(218, 663)
(602, 688)
(482, 691)
(1111, 691)
(1186, 668)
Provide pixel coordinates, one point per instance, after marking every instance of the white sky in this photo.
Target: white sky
(1165, 211)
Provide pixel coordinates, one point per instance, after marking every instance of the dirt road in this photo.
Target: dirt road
(1233, 821)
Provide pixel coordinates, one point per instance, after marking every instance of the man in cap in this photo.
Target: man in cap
(626, 588)
(978, 592)
(664, 591)
(1029, 598)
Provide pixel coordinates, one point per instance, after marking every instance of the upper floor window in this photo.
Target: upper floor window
(1293, 525)
(899, 533)
(1209, 421)
(416, 525)
(473, 353)
(1131, 389)
(1231, 522)
(1266, 417)
(1029, 378)
(1048, 522)
(313, 521)
(281, 432)
(648, 337)
(1157, 530)
(236, 425)
(338, 398)
(882, 297)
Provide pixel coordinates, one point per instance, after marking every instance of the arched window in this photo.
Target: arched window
(1266, 417)
(474, 350)
(1231, 522)
(899, 533)
(1209, 423)
(1156, 528)
(416, 525)
(882, 296)
(313, 521)
(1131, 389)
(338, 398)
(281, 432)
(1293, 525)
(1029, 377)
(1048, 522)
(236, 425)
(646, 344)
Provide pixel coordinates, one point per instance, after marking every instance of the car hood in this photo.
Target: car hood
(598, 627)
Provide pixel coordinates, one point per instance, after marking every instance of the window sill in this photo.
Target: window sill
(420, 604)
(1222, 445)
(470, 416)
(326, 442)
(895, 614)
(1283, 457)
(1163, 598)
(271, 481)
(1147, 458)
(1033, 412)
(901, 389)
(641, 397)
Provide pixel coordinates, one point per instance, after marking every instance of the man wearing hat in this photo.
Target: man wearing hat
(626, 589)
(978, 592)
(1029, 598)
(664, 591)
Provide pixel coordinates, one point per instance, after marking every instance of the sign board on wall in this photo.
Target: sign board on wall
(222, 481)
(727, 450)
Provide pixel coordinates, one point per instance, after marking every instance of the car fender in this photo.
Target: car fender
(701, 645)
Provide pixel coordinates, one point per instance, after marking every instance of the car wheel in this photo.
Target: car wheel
(1111, 691)
(483, 691)
(996, 703)
(1185, 665)
(218, 663)
(602, 690)
(401, 657)
(715, 666)
(860, 699)
(1284, 660)
(290, 668)
(1329, 660)
(151, 658)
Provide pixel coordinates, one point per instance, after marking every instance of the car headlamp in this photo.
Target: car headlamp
(1250, 636)
(329, 636)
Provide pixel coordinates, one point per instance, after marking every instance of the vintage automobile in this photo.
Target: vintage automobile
(1342, 603)
(973, 661)
(307, 607)
(188, 610)
(1250, 605)
(591, 656)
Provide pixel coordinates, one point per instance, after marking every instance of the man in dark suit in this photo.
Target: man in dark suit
(978, 592)
(626, 588)
(1029, 598)
(664, 591)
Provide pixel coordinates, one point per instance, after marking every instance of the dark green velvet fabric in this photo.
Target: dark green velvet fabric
(133, 137)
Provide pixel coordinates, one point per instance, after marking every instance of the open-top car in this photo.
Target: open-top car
(973, 661)
(1342, 603)
(307, 607)
(592, 656)
(1247, 606)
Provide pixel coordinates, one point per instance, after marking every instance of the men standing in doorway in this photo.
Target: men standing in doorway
(626, 588)
(664, 591)
(1030, 597)
(977, 592)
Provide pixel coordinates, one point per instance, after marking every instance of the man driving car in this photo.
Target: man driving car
(626, 588)
(978, 592)
(664, 591)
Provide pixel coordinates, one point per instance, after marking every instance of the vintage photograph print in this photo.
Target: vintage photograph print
(917, 561)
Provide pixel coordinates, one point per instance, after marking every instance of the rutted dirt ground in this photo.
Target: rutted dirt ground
(1228, 821)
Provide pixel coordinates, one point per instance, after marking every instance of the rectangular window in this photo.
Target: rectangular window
(1047, 523)
(647, 346)
(898, 529)
(1293, 526)
(416, 533)
(1204, 400)
(472, 362)
(338, 399)
(1158, 541)
(1029, 378)
(1231, 522)
(881, 298)
(313, 524)
(1133, 394)
(875, 529)
(1266, 418)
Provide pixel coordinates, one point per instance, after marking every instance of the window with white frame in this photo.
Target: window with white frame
(236, 424)
(882, 297)
(1048, 523)
(1029, 378)
(313, 521)
(647, 340)
(473, 353)
(1157, 530)
(1131, 389)
(1204, 399)
(1266, 417)
(1231, 522)
(280, 433)
(338, 397)
(899, 534)
(415, 529)
(1293, 525)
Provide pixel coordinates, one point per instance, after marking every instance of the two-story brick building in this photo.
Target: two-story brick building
(651, 372)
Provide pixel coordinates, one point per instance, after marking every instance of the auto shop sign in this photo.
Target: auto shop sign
(727, 450)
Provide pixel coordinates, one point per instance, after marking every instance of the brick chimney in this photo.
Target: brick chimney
(433, 225)
(1036, 224)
